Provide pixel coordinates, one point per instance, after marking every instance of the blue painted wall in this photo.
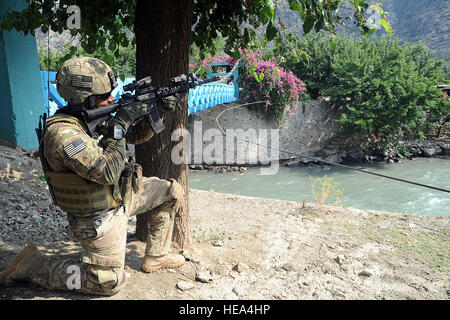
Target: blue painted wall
(21, 97)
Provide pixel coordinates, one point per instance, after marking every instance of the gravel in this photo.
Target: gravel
(27, 214)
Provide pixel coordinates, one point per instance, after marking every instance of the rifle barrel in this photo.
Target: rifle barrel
(99, 112)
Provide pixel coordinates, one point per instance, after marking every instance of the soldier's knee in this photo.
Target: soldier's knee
(175, 190)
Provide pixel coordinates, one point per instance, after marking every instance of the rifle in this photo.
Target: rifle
(144, 93)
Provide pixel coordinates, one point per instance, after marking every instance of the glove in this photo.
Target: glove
(113, 144)
(169, 103)
(124, 118)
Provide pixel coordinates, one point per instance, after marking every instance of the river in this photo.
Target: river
(360, 190)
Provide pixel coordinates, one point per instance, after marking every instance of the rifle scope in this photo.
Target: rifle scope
(138, 85)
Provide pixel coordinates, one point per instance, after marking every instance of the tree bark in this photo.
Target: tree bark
(163, 34)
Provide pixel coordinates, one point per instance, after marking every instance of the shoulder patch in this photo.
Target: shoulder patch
(75, 147)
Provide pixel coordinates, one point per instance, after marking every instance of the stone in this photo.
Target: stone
(239, 291)
(288, 267)
(204, 276)
(192, 254)
(217, 243)
(340, 259)
(20, 206)
(241, 267)
(428, 152)
(366, 273)
(337, 293)
(184, 285)
(369, 271)
(335, 158)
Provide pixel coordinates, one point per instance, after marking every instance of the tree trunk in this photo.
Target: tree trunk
(163, 34)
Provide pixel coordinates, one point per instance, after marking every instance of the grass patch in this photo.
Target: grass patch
(432, 247)
(204, 236)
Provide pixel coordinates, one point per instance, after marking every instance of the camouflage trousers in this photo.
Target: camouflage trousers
(103, 238)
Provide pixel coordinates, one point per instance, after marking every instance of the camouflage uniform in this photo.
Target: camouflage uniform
(103, 235)
(68, 148)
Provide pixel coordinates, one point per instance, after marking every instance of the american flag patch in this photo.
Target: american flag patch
(75, 147)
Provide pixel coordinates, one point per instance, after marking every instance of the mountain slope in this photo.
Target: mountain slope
(425, 21)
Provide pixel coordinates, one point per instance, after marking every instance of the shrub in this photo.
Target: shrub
(323, 188)
(262, 79)
(385, 89)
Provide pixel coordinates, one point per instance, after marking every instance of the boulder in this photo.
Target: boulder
(429, 152)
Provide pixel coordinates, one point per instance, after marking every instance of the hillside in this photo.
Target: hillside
(425, 21)
(413, 21)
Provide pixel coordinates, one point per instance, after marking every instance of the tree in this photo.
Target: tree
(164, 31)
(384, 89)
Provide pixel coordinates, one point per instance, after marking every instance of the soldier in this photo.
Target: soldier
(92, 181)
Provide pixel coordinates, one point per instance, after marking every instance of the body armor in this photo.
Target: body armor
(79, 196)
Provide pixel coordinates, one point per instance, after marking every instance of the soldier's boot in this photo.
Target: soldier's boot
(21, 267)
(168, 261)
(159, 237)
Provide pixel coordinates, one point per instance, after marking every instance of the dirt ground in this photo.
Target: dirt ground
(245, 248)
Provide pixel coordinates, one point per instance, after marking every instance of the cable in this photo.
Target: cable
(324, 161)
(48, 73)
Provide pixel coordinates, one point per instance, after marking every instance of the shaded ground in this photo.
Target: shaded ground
(254, 248)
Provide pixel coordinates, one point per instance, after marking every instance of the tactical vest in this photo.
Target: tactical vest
(74, 194)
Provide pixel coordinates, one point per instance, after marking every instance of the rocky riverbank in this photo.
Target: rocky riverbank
(356, 155)
(245, 248)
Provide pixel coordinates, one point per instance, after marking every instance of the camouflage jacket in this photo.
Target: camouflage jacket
(68, 146)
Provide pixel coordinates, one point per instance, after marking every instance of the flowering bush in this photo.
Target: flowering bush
(201, 66)
(266, 80)
(262, 80)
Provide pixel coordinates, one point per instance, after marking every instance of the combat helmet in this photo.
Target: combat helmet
(80, 78)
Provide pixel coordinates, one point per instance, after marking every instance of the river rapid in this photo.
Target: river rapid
(359, 190)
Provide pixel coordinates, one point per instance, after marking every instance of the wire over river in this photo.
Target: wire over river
(322, 160)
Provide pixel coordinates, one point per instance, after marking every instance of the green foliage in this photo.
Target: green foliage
(440, 115)
(386, 90)
(219, 50)
(104, 24)
(324, 188)
(402, 150)
(124, 65)
(263, 79)
(49, 59)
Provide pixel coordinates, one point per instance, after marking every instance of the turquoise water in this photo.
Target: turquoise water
(360, 190)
